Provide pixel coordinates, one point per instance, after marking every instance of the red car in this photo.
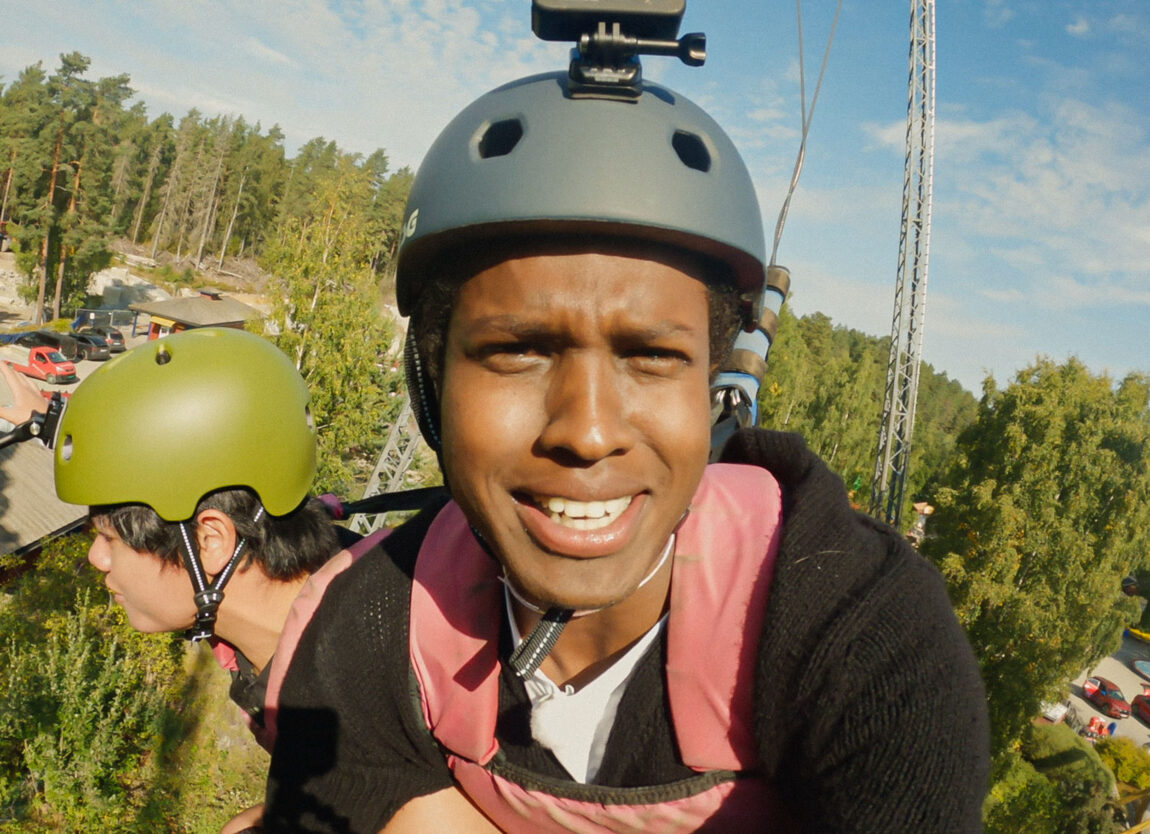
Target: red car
(44, 363)
(1106, 695)
(1140, 706)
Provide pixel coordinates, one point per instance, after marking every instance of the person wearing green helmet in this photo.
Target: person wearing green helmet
(195, 455)
(600, 631)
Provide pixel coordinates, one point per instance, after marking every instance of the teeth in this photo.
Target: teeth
(583, 515)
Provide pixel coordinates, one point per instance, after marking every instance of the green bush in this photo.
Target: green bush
(106, 729)
(1126, 760)
(1021, 799)
(82, 696)
(86, 711)
(1061, 755)
(1054, 783)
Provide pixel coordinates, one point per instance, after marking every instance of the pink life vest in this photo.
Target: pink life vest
(300, 614)
(721, 573)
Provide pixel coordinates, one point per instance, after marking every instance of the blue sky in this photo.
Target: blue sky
(1041, 223)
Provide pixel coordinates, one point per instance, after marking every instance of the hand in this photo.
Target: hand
(26, 397)
(245, 822)
(445, 810)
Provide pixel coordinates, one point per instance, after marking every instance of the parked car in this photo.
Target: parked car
(93, 346)
(112, 336)
(1106, 696)
(39, 362)
(64, 343)
(1140, 707)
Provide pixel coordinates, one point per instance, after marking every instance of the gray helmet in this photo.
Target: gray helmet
(531, 157)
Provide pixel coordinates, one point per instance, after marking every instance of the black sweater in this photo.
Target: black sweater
(869, 712)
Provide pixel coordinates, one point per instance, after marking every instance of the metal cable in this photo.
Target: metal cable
(805, 116)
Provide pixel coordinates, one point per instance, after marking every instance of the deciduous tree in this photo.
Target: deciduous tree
(330, 316)
(1044, 510)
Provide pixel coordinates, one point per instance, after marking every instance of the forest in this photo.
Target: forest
(1041, 484)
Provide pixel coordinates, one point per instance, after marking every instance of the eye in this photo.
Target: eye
(657, 360)
(505, 349)
(510, 356)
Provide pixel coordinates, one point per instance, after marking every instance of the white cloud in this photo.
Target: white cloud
(1067, 292)
(1009, 296)
(1079, 28)
(996, 13)
(1130, 28)
(265, 53)
(1071, 192)
(850, 300)
(891, 136)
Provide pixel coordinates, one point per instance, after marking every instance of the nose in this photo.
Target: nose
(588, 413)
(99, 555)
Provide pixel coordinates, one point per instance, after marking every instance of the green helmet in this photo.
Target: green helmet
(532, 157)
(174, 419)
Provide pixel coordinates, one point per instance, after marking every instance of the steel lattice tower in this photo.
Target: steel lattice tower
(897, 423)
(393, 463)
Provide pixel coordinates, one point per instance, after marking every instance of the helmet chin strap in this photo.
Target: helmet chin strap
(208, 596)
(534, 648)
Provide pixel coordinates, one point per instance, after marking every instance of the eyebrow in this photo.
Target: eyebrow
(528, 328)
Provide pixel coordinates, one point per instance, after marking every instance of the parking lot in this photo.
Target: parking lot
(1117, 668)
(87, 366)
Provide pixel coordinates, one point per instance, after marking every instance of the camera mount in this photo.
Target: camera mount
(609, 37)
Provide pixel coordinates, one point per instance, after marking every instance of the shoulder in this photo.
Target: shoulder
(386, 565)
(369, 598)
(829, 549)
(360, 750)
(858, 642)
(840, 574)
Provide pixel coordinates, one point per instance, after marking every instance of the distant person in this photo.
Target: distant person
(600, 631)
(195, 454)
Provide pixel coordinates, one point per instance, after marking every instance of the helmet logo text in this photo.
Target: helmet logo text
(409, 226)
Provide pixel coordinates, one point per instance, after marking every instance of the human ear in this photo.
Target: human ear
(216, 539)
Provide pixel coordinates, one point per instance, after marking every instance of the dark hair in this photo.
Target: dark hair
(286, 547)
(440, 289)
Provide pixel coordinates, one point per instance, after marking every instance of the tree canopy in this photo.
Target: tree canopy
(81, 166)
(328, 309)
(1043, 511)
(826, 383)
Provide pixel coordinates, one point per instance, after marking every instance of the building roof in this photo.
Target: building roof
(199, 311)
(29, 508)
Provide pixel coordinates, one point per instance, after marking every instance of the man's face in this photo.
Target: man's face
(156, 596)
(576, 416)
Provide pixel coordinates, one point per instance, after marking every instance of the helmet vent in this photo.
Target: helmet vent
(162, 355)
(500, 138)
(66, 448)
(692, 150)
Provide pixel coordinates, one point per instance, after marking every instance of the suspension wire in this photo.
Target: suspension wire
(805, 116)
